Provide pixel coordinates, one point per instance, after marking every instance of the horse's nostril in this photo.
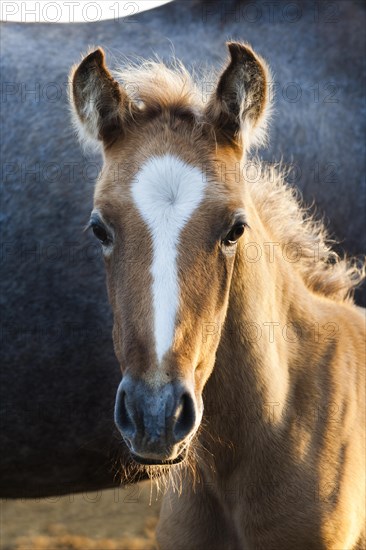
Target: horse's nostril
(185, 417)
(123, 418)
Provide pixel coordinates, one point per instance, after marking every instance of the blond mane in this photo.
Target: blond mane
(291, 225)
(156, 85)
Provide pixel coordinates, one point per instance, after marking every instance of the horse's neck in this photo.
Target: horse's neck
(249, 387)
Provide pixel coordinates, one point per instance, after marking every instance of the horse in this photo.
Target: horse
(59, 374)
(240, 346)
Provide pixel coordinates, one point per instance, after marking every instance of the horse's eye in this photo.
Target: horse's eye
(101, 234)
(234, 234)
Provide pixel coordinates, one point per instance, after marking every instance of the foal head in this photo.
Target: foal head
(169, 223)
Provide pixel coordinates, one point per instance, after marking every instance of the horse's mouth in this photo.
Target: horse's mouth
(154, 462)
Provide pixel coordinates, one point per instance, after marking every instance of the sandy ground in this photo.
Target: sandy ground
(118, 519)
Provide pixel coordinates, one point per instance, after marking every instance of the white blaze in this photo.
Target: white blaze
(166, 192)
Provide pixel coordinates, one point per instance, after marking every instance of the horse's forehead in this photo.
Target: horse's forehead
(167, 191)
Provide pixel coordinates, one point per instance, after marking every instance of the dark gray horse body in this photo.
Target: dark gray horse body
(59, 374)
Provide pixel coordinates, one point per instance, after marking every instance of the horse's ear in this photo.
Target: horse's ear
(101, 106)
(239, 107)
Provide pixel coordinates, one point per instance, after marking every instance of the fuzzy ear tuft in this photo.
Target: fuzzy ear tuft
(101, 107)
(239, 108)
